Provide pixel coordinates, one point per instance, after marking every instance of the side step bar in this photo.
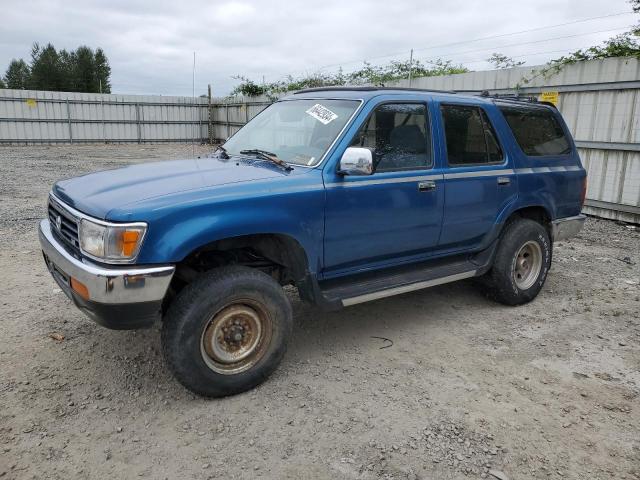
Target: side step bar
(364, 287)
(407, 288)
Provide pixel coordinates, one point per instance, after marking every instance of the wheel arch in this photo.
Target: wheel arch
(537, 213)
(282, 249)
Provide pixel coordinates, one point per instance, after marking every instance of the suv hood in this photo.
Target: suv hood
(98, 193)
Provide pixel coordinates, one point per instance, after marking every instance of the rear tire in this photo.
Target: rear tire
(522, 261)
(227, 331)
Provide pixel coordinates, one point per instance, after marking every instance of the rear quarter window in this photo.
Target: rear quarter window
(537, 130)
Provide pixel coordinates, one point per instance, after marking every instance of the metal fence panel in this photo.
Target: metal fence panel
(53, 117)
(613, 183)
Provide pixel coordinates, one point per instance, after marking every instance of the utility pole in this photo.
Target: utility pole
(410, 66)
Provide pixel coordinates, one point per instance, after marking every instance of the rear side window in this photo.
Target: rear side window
(471, 139)
(537, 131)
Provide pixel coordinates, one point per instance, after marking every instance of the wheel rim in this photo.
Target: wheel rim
(527, 265)
(236, 337)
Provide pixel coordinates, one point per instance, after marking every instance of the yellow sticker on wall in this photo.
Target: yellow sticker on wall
(551, 97)
(31, 102)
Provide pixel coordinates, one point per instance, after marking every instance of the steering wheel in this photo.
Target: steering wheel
(380, 153)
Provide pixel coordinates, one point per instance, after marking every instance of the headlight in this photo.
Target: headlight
(111, 242)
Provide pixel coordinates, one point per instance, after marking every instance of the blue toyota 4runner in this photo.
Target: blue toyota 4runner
(349, 194)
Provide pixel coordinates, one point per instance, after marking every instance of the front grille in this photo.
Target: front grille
(66, 228)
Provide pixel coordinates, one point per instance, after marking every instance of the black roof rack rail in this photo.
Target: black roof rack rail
(510, 96)
(515, 97)
(369, 89)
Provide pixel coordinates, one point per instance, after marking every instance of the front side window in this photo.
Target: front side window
(471, 139)
(537, 130)
(296, 131)
(399, 136)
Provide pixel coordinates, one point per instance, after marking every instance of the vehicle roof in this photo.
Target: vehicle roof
(366, 93)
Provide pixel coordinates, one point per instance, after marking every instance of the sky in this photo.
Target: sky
(150, 45)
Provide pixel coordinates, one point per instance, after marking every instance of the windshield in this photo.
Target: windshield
(296, 131)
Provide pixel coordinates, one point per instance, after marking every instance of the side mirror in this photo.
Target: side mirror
(356, 161)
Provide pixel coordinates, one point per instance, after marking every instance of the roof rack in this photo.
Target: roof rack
(510, 96)
(516, 97)
(369, 89)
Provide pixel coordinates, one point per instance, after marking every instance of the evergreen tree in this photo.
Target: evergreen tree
(17, 75)
(80, 70)
(103, 71)
(46, 72)
(84, 71)
(68, 71)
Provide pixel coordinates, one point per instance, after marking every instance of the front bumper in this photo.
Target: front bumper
(567, 227)
(116, 297)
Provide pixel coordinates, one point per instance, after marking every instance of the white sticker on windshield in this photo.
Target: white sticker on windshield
(322, 114)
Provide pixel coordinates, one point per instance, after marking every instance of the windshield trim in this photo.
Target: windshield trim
(338, 136)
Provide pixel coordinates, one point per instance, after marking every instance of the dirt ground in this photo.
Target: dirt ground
(465, 388)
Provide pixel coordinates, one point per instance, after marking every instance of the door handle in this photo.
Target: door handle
(504, 181)
(426, 186)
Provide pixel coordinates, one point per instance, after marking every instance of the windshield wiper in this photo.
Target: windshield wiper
(223, 152)
(272, 157)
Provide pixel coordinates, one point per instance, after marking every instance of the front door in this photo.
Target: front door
(395, 214)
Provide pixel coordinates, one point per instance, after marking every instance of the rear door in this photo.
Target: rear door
(548, 165)
(479, 179)
(395, 214)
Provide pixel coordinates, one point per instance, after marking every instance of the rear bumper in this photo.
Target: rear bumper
(120, 298)
(568, 227)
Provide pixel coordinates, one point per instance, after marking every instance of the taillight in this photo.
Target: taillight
(583, 195)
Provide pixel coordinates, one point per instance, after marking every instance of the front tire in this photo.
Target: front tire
(227, 331)
(522, 261)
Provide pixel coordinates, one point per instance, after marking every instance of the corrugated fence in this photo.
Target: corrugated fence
(28, 116)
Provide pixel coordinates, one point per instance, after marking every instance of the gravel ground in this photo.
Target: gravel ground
(466, 389)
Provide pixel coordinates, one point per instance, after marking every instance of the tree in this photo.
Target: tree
(80, 70)
(2, 85)
(84, 72)
(501, 61)
(17, 75)
(102, 71)
(46, 71)
(367, 75)
(68, 71)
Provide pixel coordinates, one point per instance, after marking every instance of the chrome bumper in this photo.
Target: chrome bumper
(111, 290)
(568, 227)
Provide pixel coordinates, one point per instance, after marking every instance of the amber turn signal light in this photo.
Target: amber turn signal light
(80, 288)
(128, 242)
